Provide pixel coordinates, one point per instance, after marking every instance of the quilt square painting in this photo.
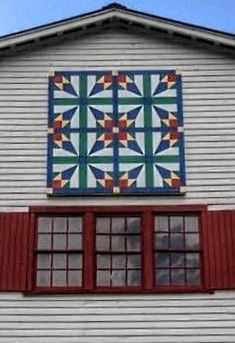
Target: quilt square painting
(115, 132)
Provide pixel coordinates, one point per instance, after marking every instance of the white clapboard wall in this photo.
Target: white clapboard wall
(193, 318)
(209, 110)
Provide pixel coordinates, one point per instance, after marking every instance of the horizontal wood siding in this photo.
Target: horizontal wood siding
(209, 107)
(197, 318)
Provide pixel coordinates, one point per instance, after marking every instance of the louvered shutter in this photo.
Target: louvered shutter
(16, 244)
(219, 249)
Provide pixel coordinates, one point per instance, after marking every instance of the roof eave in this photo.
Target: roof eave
(129, 16)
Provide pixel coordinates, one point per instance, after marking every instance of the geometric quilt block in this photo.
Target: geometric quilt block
(115, 132)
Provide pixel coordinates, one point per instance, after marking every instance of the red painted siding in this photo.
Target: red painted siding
(219, 249)
(15, 247)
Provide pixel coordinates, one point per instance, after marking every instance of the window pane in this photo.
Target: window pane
(103, 278)
(59, 241)
(162, 260)
(176, 224)
(75, 261)
(119, 261)
(133, 261)
(193, 260)
(162, 277)
(191, 224)
(177, 276)
(161, 223)
(193, 277)
(103, 225)
(118, 225)
(118, 243)
(133, 243)
(44, 224)
(74, 278)
(119, 278)
(103, 261)
(176, 241)
(44, 241)
(43, 261)
(74, 241)
(134, 278)
(102, 243)
(59, 261)
(192, 241)
(133, 225)
(43, 278)
(75, 224)
(60, 224)
(177, 260)
(59, 278)
(161, 241)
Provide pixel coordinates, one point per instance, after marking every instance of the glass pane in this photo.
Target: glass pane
(161, 223)
(162, 260)
(177, 276)
(74, 278)
(103, 225)
(193, 277)
(102, 243)
(133, 243)
(103, 278)
(192, 260)
(162, 277)
(119, 278)
(43, 278)
(43, 261)
(44, 241)
(134, 278)
(75, 261)
(133, 261)
(177, 241)
(74, 241)
(176, 224)
(118, 225)
(59, 278)
(118, 243)
(59, 261)
(192, 241)
(60, 224)
(104, 261)
(177, 260)
(161, 241)
(119, 261)
(133, 225)
(191, 224)
(44, 224)
(59, 241)
(75, 224)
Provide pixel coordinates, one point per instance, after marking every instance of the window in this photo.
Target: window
(59, 252)
(95, 251)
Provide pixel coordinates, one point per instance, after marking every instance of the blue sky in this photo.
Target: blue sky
(18, 15)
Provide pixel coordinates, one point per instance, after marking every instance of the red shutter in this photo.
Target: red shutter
(219, 249)
(16, 231)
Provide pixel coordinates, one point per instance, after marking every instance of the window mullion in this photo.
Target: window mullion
(89, 250)
(147, 250)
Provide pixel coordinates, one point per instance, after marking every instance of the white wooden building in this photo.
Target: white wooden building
(179, 289)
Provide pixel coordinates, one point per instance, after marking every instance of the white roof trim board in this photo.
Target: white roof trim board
(116, 12)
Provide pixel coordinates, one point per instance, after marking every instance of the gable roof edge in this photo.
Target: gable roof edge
(119, 13)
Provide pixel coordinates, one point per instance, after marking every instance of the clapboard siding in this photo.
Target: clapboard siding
(209, 105)
(181, 318)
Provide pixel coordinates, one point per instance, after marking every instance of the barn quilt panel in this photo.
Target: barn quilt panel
(115, 132)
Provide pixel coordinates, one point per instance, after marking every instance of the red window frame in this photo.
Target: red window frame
(147, 215)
